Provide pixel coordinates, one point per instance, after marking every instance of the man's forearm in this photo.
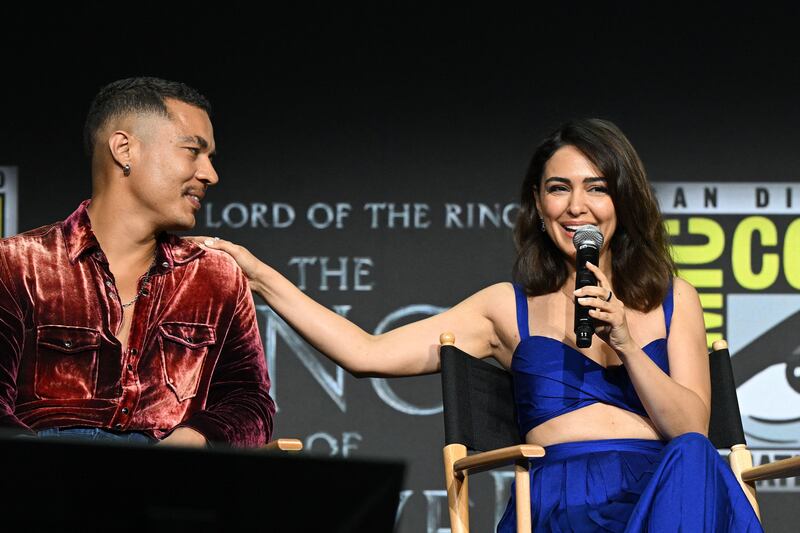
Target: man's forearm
(185, 436)
(239, 416)
(10, 424)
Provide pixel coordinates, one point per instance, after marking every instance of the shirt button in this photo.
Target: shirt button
(108, 283)
(134, 351)
(130, 367)
(124, 410)
(117, 426)
(165, 264)
(67, 344)
(112, 296)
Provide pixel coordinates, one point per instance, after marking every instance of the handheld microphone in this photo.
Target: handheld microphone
(587, 240)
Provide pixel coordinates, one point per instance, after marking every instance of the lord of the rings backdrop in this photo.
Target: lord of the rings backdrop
(375, 158)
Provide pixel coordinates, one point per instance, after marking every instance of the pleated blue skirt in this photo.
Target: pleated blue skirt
(635, 485)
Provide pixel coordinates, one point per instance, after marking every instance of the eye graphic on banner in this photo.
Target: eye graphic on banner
(8, 201)
(738, 245)
(767, 366)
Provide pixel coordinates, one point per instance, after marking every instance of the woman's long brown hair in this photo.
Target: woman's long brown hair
(641, 263)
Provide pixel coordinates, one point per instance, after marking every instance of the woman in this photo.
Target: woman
(624, 420)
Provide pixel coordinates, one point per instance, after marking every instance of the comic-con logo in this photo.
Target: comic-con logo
(739, 245)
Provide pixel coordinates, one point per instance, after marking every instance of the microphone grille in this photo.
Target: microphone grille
(587, 235)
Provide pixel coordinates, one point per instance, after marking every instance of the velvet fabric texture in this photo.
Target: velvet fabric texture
(194, 356)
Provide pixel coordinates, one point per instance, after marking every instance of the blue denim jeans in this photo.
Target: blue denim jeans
(97, 434)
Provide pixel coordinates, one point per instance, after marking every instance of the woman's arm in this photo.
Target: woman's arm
(677, 403)
(408, 350)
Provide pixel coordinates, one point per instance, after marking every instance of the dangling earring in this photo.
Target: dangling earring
(126, 169)
(541, 221)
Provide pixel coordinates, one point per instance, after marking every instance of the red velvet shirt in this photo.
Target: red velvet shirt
(194, 355)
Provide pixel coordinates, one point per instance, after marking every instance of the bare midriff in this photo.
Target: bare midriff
(593, 422)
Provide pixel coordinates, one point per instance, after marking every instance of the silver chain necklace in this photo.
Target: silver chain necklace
(145, 281)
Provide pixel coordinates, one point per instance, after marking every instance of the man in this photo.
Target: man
(111, 327)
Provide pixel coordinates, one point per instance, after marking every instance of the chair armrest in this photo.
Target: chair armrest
(480, 462)
(775, 470)
(287, 445)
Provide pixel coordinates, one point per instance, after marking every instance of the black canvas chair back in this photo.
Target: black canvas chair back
(479, 415)
(479, 409)
(478, 398)
(725, 428)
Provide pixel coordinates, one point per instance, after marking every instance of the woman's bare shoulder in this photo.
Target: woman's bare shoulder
(684, 292)
(493, 302)
(498, 305)
(494, 296)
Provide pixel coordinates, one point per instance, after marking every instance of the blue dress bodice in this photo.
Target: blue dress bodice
(552, 378)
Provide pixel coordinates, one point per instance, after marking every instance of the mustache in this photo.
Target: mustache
(196, 191)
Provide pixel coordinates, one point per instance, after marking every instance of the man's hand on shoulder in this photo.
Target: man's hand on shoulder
(184, 436)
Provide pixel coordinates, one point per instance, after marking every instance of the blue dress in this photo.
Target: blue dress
(614, 484)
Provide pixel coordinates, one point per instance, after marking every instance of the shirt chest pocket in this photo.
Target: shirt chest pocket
(66, 362)
(183, 353)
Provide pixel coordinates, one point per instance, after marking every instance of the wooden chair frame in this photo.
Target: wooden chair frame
(285, 445)
(741, 462)
(459, 465)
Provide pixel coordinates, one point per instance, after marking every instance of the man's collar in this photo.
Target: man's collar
(176, 251)
(171, 250)
(78, 234)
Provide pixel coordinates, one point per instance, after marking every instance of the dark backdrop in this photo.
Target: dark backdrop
(325, 104)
